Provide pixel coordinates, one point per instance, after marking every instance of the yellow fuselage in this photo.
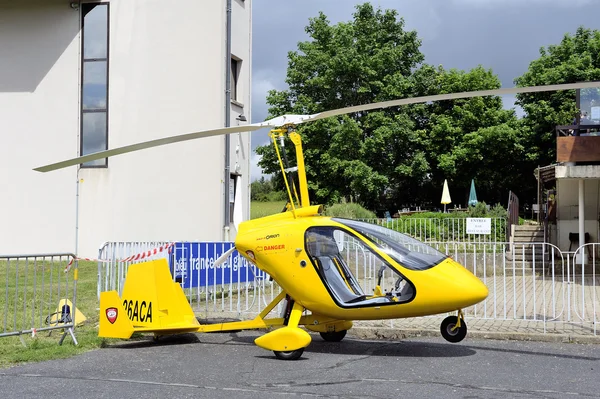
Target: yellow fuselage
(276, 244)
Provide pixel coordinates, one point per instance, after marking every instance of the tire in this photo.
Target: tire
(333, 336)
(453, 336)
(290, 355)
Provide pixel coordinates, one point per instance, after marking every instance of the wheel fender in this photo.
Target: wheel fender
(284, 339)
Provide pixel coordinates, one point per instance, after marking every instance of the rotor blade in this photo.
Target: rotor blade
(149, 144)
(450, 96)
(298, 119)
(224, 257)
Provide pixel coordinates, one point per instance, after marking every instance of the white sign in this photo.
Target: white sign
(595, 113)
(479, 225)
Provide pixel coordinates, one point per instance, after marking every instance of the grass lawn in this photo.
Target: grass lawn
(45, 345)
(260, 209)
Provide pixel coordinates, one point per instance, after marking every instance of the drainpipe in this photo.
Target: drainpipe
(227, 174)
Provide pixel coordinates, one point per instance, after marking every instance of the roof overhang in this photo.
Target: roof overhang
(577, 172)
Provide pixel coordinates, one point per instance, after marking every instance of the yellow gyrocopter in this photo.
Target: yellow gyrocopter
(313, 258)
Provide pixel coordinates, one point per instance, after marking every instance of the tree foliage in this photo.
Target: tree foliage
(367, 60)
(389, 158)
(576, 58)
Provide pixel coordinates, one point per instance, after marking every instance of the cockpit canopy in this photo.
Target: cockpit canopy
(356, 274)
(407, 251)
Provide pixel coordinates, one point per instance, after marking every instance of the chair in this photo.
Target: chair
(336, 282)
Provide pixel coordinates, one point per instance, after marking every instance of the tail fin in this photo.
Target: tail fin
(151, 302)
(114, 322)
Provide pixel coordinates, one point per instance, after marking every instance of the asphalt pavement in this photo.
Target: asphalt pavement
(229, 365)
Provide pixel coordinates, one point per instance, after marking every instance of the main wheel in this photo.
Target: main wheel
(289, 355)
(450, 333)
(333, 336)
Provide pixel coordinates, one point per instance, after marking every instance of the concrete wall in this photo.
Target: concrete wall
(568, 209)
(166, 77)
(39, 121)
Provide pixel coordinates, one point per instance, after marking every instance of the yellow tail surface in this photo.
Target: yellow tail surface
(151, 302)
(113, 318)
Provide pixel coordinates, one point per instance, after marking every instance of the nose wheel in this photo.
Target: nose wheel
(454, 328)
(289, 355)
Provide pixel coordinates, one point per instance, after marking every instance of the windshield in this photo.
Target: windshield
(407, 251)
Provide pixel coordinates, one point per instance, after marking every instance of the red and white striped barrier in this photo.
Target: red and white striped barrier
(140, 256)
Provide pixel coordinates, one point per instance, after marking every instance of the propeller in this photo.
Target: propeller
(299, 119)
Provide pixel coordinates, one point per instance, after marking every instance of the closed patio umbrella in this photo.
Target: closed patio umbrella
(472, 194)
(445, 195)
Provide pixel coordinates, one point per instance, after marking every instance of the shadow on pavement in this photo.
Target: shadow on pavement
(348, 346)
(148, 341)
(378, 348)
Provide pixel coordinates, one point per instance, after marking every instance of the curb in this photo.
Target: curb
(392, 334)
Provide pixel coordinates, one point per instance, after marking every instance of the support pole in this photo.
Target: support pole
(582, 219)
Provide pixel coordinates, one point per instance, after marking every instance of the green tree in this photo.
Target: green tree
(576, 58)
(469, 138)
(387, 158)
(367, 60)
(494, 156)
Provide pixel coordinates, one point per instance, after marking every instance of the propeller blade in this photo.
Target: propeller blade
(148, 144)
(452, 96)
(275, 122)
(298, 119)
(224, 257)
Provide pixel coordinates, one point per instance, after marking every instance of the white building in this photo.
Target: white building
(77, 78)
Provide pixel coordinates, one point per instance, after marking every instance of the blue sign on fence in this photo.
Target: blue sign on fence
(192, 264)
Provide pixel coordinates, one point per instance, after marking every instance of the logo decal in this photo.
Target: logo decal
(111, 314)
(268, 237)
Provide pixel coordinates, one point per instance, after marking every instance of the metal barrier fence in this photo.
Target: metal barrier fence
(112, 271)
(38, 294)
(534, 282)
(236, 286)
(446, 229)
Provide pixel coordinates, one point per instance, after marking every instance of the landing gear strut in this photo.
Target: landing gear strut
(454, 328)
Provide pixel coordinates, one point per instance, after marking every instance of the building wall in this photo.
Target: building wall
(241, 148)
(166, 77)
(39, 119)
(568, 210)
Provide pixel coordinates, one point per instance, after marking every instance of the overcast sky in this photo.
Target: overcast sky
(504, 35)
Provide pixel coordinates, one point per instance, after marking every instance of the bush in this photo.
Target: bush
(431, 225)
(273, 196)
(264, 191)
(480, 211)
(349, 211)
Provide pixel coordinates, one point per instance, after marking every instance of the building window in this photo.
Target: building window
(94, 88)
(235, 70)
